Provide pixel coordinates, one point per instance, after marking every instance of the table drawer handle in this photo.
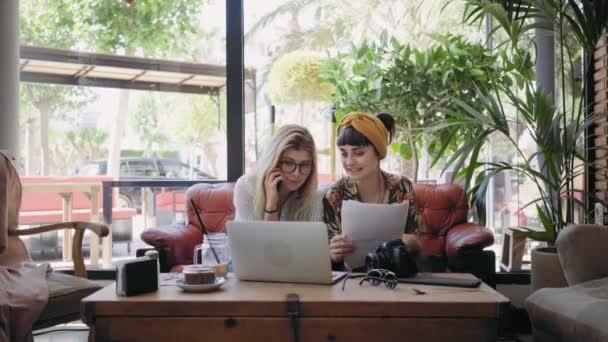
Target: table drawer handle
(230, 323)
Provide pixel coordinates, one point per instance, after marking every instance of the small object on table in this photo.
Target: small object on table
(201, 287)
(418, 291)
(153, 254)
(198, 275)
(513, 244)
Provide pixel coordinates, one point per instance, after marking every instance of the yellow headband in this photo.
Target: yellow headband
(370, 126)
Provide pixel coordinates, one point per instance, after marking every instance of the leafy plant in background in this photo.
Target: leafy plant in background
(421, 87)
(557, 130)
(197, 134)
(294, 79)
(145, 123)
(86, 144)
(153, 28)
(49, 24)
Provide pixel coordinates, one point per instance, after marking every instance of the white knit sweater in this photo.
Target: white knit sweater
(244, 191)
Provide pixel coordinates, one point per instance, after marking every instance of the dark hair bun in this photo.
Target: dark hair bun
(389, 122)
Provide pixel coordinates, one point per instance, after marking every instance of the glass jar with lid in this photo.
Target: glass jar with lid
(205, 255)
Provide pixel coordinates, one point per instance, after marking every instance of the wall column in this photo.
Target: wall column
(545, 61)
(235, 109)
(9, 77)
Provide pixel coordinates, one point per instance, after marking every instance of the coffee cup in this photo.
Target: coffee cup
(198, 275)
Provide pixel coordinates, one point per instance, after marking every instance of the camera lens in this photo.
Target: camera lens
(371, 261)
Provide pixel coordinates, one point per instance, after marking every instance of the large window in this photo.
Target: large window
(135, 90)
(283, 37)
(286, 41)
(65, 127)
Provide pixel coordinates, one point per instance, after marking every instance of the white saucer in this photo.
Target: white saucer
(202, 287)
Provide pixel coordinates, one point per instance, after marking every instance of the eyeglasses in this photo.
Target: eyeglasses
(375, 277)
(289, 167)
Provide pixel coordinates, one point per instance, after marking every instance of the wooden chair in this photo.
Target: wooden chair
(65, 291)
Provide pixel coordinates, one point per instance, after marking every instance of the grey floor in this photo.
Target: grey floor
(71, 332)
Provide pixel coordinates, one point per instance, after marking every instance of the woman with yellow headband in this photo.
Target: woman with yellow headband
(363, 142)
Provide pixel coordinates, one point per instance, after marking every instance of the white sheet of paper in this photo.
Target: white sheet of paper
(370, 224)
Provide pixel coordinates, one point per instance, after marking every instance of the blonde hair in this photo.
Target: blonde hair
(287, 137)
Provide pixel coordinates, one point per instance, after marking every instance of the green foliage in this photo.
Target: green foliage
(295, 78)
(145, 122)
(556, 131)
(60, 99)
(585, 19)
(141, 153)
(88, 143)
(338, 23)
(334, 25)
(419, 86)
(196, 118)
(154, 27)
(49, 23)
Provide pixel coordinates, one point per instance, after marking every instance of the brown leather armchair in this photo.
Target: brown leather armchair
(64, 291)
(448, 241)
(176, 242)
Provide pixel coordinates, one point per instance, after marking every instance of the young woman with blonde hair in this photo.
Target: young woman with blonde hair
(284, 185)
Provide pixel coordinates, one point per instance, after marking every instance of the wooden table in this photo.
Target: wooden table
(66, 190)
(256, 311)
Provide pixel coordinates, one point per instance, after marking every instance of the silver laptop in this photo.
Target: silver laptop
(292, 252)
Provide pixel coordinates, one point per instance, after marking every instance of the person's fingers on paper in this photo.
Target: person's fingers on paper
(346, 241)
(333, 241)
(337, 238)
(335, 245)
(347, 248)
(335, 249)
(411, 242)
(339, 241)
(339, 250)
(340, 246)
(335, 256)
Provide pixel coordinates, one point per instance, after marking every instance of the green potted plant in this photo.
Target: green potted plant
(558, 130)
(418, 86)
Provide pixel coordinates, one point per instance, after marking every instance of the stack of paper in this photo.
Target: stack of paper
(369, 224)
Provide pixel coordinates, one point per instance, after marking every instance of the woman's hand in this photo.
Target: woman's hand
(339, 247)
(411, 243)
(271, 187)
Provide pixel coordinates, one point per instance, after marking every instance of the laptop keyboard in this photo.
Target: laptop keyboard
(335, 275)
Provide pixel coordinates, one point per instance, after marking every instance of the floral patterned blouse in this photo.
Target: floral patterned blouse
(399, 189)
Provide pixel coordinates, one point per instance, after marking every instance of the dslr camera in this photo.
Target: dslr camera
(394, 256)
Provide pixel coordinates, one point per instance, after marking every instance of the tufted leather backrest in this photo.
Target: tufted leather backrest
(441, 206)
(214, 203)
